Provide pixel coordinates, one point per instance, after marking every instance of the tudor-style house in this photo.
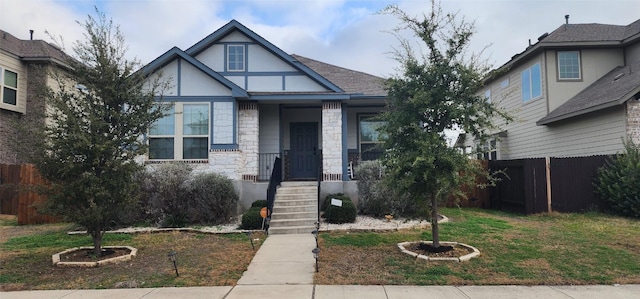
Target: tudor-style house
(237, 101)
(573, 93)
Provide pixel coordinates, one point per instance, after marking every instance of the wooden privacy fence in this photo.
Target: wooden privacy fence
(477, 197)
(544, 185)
(18, 195)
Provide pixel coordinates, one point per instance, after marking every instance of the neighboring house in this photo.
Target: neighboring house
(573, 93)
(24, 69)
(237, 101)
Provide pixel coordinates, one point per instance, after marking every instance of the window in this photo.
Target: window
(489, 150)
(370, 137)
(235, 57)
(569, 65)
(531, 83)
(9, 87)
(504, 83)
(487, 95)
(182, 134)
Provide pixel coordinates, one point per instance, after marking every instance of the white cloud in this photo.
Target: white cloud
(342, 32)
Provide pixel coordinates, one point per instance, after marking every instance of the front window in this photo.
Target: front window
(531, 83)
(235, 57)
(569, 65)
(182, 134)
(370, 137)
(9, 87)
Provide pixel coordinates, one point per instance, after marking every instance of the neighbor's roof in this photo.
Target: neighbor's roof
(352, 82)
(579, 35)
(31, 50)
(614, 88)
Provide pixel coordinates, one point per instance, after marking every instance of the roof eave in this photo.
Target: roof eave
(628, 96)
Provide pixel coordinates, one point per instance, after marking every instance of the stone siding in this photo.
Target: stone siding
(248, 139)
(331, 141)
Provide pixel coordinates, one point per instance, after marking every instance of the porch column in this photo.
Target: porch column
(248, 139)
(332, 141)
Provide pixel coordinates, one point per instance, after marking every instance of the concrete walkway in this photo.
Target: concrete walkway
(283, 268)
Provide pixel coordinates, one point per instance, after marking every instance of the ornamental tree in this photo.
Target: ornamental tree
(97, 112)
(435, 92)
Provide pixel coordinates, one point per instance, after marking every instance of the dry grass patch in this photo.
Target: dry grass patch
(203, 260)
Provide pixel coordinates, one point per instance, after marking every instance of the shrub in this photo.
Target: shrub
(327, 199)
(261, 203)
(618, 183)
(344, 214)
(251, 219)
(164, 194)
(376, 196)
(211, 199)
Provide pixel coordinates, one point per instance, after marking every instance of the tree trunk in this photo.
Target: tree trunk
(97, 242)
(434, 221)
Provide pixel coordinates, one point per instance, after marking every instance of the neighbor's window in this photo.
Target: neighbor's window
(531, 83)
(9, 87)
(183, 134)
(370, 137)
(235, 57)
(489, 150)
(569, 65)
(487, 95)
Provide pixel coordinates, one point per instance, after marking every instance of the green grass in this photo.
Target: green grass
(554, 248)
(60, 240)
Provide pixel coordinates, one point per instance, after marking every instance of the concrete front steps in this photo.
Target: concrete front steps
(295, 209)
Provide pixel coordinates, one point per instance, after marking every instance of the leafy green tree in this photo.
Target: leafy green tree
(97, 112)
(436, 92)
(618, 182)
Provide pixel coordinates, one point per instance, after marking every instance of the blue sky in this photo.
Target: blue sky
(347, 33)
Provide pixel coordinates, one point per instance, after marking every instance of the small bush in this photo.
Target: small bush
(344, 214)
(327, 199)
(261, 203)
(211, 199)
(251, 219)
(164, 193)
(376, 196)
(618, 183)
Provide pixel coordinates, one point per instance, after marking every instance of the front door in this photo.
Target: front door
(304, 150)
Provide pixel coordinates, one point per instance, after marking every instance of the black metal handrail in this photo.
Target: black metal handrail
(265, 162)
(274, 182)
(319, 178)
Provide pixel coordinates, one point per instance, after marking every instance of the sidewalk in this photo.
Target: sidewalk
(283, 268)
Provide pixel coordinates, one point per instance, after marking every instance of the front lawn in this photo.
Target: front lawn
(549, 249)
(203, 260)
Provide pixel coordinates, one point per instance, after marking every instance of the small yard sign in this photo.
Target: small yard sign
(336, 202)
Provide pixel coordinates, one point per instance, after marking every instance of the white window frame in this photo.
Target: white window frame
(487, 95)
(3, 86)
(179, 135)
(489, 150)
(560, 66)
(530, 94)
(236, 60)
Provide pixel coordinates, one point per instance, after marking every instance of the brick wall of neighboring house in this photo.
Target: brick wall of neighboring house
(633, 120)
(17, 143)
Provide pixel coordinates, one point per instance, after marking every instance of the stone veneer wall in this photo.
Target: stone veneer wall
(227, 162)
(248, 138)
(633, 121)
(332, 141)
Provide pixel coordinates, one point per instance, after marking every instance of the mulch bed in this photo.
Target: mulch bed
(430, 251)
(86, 255)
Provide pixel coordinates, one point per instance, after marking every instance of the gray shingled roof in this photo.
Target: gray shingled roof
(352, 82)
(614, 88)
(32, 50)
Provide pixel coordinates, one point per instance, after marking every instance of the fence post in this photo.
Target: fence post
(548, 174)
